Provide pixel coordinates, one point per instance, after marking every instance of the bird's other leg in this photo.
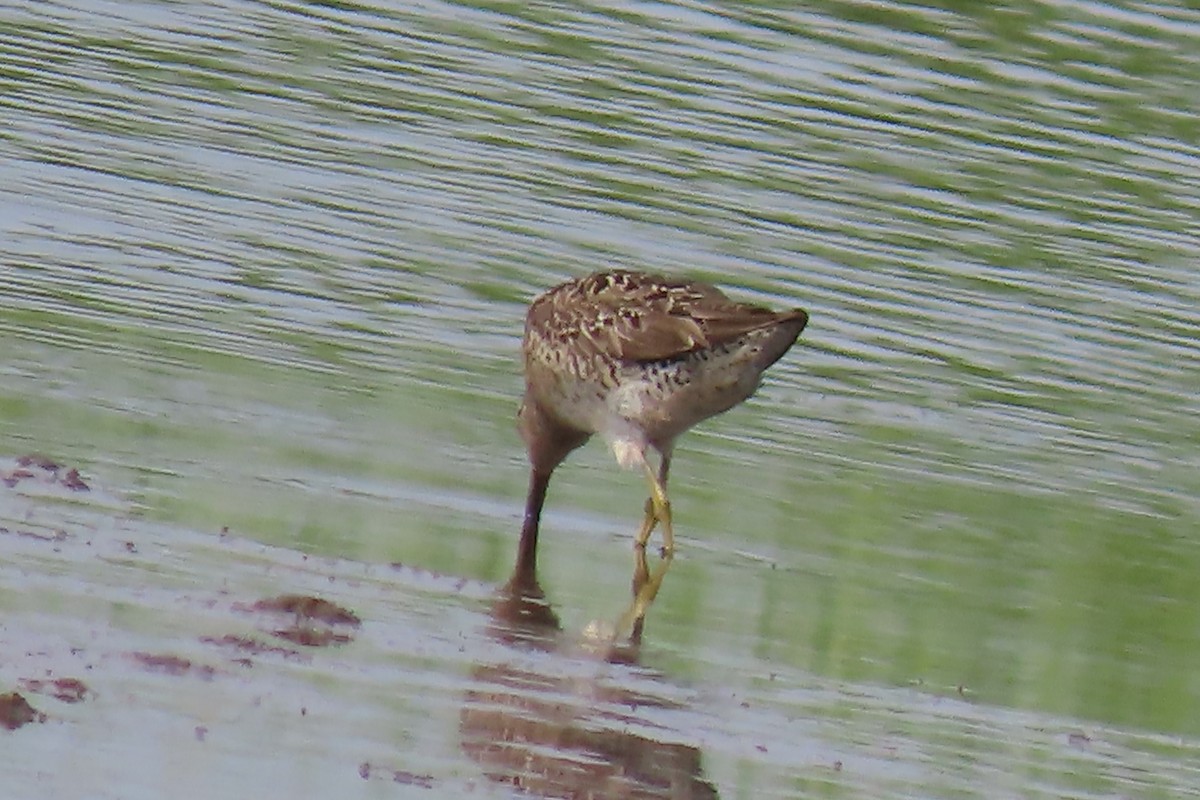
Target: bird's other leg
(646, 583)
(645, 589)
(658, 505)
(648, 523)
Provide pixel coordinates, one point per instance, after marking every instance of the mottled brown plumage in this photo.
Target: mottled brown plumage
(638, 359)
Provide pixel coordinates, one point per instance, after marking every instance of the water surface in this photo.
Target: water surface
(262, 282)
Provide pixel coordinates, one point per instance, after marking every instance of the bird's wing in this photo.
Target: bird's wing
(638, 318)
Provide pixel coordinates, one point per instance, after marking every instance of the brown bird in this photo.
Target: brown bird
(638, 359)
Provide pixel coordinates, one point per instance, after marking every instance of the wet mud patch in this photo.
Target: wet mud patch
(43, 472)
(16, 712)
(67, 690)
(54, 537)
(248, 646)
(368, 771)
(310, 621)
(169, 664)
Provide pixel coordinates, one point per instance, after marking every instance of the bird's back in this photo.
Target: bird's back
(658, 352)
(636, 317)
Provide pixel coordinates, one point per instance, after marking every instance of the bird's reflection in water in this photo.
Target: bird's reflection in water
(550, 730)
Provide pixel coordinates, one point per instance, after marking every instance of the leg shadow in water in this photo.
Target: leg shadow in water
(551, 717)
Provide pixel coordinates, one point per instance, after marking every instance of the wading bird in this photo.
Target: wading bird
(638, 359)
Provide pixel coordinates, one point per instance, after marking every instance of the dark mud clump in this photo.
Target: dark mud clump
(37, 462)
(73, 482)
(310, 608)
(15, 711)
(313, 621)
(172, 665)
(34, 467)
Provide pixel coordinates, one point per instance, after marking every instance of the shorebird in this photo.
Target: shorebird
(638, 359)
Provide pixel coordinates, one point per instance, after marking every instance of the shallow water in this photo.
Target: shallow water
(262, 277)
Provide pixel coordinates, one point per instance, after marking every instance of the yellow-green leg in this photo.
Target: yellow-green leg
(646, 583)
(645, 589)
(658, 506)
